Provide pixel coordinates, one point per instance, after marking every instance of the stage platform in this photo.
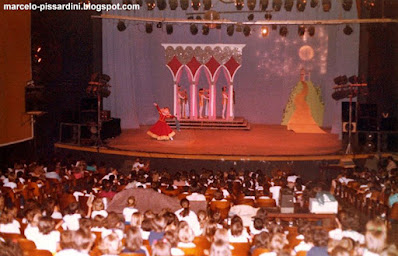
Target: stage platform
(260, 143)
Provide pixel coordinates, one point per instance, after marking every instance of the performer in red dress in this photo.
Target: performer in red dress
(161, 130)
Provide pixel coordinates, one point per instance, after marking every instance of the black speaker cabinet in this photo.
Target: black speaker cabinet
(35, 99)
(345, 111)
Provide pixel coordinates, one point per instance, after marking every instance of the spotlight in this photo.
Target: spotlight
(314, 3)
(121, 26)
(173, 4)
(277, 5)
(341, 80)
(264, 31)
(239, 4)
(159, 25)
(268, 16)
(311, 30)
(205, 30)
(301, 5)
(161, 4)
(347, 4)
(194, 29)
(369, 4)
(184, 4)
(326, 5)
(301, 30)
(283, 31)
(250, 17)
(212, 15)
(190, 17)
(289, 5)
(195, 4)
(150, 4)
(148, 28)
(246, 30)
(251, 4)
(353, 79)
(198, 17)
(239, 27)
(169, 29)
(348, 30)
(263, 5)
(207, 4)
(230, 30)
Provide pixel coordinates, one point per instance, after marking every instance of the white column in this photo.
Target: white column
(175, 99)
(213, 114)
(192, 108)
(231, 101)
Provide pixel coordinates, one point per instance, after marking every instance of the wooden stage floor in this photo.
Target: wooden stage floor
(259, 142)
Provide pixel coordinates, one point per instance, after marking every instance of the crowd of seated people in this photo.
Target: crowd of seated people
(62, 208)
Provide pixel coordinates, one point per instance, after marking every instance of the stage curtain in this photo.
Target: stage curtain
(15, 71)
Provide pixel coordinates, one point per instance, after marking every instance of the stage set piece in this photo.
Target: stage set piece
(212, 59)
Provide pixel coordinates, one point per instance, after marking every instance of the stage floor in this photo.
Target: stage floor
(259, 142)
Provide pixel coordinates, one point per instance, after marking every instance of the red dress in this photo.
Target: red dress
(161, 130)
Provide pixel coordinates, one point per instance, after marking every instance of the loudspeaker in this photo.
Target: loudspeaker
(345, 111)
(367, 117)
(34, 99)
(287, 203)
(346, 127)
(368, 141)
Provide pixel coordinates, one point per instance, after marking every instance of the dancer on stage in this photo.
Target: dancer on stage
(182, 101)
(203, 99)
(224, 101)
(161, 130)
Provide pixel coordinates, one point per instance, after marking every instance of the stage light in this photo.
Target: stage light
(246, 30)
(263, 5)
(277, 5)
(121, 26)
(173, 4)
(239, 27)
(148, 28)
(230, 30)
(150, 4)
(213, 16)
(161, 4)
(326, 5)
(289, 5)
(251, 4)
(239, 4)
(314, 3)
(301, 5)
(198, 17)
(159, 25)
(353, 79)
(347, 4)
(169, 29)
(301, 30)
(184, 4)
(195, 4)
(283, 31)
(194, 29)
(274, 27)
(311, 30)
(250, 17)
(348, 30)
(205, 30)
(369, 4)
(264, 31)
(268, 15)
(190, 17)
(207, 4)
(341, 80)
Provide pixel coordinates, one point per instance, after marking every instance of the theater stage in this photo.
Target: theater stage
(261, 142)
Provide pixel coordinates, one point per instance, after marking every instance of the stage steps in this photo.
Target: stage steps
(238, 123)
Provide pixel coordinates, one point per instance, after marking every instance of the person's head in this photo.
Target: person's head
(131, 201)
(261, 240)
(159, 224)
(32, 216)
(258, 223)
(376, 235)
(161, 249)
(113, 221)
(221, 234)
(185, 205)
(46, 225)
(85, 224)
(202, 215)
(10, 248)
(277, 242)
(220, 248)
(185, 233)
(98, 221)
(340, 251)
(72, 208)
(111, 244)
(8, 215)
(98, 204)
(218, 195)
(82, 240)
(133, 239)
(236, 225)
(146, 225)
(136, 219)
(320, 237)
